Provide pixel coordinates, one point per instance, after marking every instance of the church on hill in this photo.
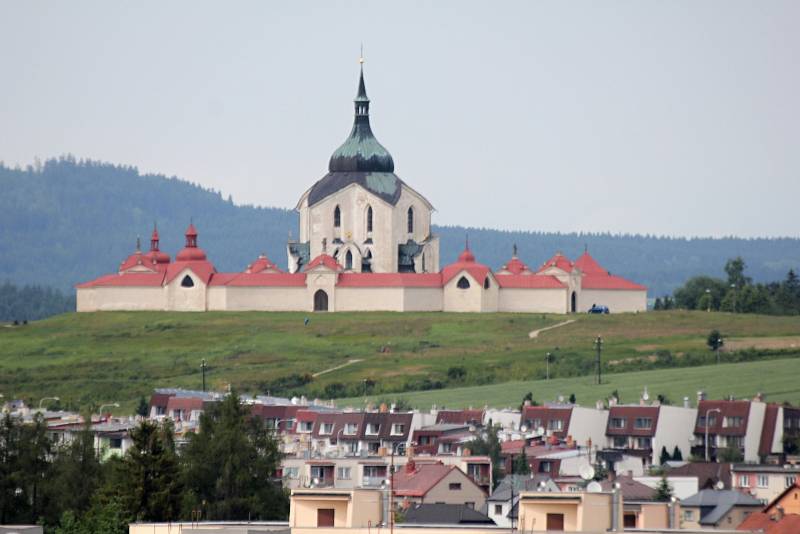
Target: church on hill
(365, 244)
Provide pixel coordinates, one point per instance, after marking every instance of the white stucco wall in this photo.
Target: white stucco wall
(369, 298)
(532, 300)
(266, 298)
(186, 298)
(588, 423)
(618, 301)
(675, 427)
(121, 298)
(463, 300)
(423, 299)
(755, 425)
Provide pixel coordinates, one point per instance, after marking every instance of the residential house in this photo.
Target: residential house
(643, 430)
(423, 483)
(640, 508)
(467, 417)
(731, 424)
(781, 516)
(764, 482)
(570, 512)
(585, 426)
(721, 509)
(442, 438)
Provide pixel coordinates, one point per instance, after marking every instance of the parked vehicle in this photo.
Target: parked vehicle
(598, 308)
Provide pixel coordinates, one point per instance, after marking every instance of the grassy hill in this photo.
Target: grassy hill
(68, 221)
(105, 357)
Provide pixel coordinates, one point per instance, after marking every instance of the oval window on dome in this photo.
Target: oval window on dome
(463, 283)
(187, 281)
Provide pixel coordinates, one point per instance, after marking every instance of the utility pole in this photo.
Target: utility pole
(598, 346)
(391, 495)
(203, 369)
(547, 360)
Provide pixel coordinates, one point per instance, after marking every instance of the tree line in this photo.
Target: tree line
(66, 221)
(30, 303)
(226, 471)
(737, 293)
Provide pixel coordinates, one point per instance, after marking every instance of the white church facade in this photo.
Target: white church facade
(365, 244)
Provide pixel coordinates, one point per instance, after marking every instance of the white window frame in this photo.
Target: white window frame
(398, 429)
(762, 481)
(373, 429)
(350, 429)
(343, 473)
(744, 481)
(326, 429)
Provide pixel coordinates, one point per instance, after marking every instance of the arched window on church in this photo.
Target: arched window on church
(369, 219)
(337, 217)
(348, 260)
(463, 283)
(187, 281)
(366, 262)
(486, 284)
(410, 220)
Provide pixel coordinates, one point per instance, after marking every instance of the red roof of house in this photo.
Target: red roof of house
(459, 417)
(137, 259)
(630, 414)
(767, 523)
(466, 262)
(608, 281)
(417, 479)
(727, 409)
(326, 260)
(184, 403)
(560, 261)
(126, 279)
(768, 430)
(513, 446)
(545, 414)
(588, 265)
(529, 281)
(390, 280)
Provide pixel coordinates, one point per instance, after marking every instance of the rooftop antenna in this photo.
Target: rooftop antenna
(138, 243)
(466, 239)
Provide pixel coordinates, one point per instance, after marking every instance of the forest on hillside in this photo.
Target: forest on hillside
(65, 221)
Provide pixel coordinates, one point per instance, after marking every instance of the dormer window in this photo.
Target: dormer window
(350, 429)
(373, 429)
(187, 281)
(410, 220)
(463, 283)
(337, 217)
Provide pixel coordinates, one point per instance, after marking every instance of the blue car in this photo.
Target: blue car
(598, 309)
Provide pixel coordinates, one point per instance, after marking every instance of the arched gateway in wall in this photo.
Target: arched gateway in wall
(320, 301)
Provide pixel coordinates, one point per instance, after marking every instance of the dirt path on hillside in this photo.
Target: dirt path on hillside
(345, 364)
(535, 333)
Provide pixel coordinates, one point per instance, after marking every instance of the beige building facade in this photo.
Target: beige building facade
(365, 244)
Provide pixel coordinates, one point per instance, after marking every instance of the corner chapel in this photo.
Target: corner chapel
(365, 244)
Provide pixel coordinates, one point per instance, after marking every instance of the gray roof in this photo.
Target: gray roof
(714, 504)
(521, 483)
(445, 514)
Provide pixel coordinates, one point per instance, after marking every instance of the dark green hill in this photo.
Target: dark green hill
(68, 221)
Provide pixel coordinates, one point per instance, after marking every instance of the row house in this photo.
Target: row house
(441, 439)
(583, 425)
(643, 430)
(364, 471)
(467, 417)
(353, 433)
(733, 424)
(764, 482)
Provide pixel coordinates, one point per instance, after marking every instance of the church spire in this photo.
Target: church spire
(362, 100)
(154, 239)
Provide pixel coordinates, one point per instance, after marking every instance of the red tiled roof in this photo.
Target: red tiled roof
(588, 265)
(513, 446)
(459, 417)
(262, 263)
(608, 281)
(326, 260)
(203, 269)
(560, 261)
(137, 259)
(466, 262)
(545, 414)
(768, 430)
(761, 521)
(529, 281)
(417, 480)
(264, 279)
(126, 279)
(184, 403)
(727, 409)
(390, 280)
(515, 266)
(630, 413)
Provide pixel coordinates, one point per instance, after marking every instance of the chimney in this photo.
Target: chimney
(599, 405)
(383, 408)
(701, 396)
(759, 397)
(686, 402)
(411, 466)
(778, 516)
(526, 403)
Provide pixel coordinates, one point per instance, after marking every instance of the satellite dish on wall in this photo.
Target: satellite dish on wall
(594, 487)
(720, 485)
(587, 472)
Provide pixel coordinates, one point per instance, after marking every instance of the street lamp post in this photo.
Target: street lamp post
(598, 346)
(733, 288)
(708, 293)
(547, 361)
(710, 410)
(203, 367)
(44, 399)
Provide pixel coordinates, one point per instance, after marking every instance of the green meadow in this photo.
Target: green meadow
(459, 359)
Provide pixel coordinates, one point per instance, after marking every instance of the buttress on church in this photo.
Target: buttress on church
(365, 244)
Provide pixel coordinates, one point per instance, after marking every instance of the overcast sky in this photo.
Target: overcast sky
(678, 118)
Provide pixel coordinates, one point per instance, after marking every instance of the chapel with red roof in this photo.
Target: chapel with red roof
(365, 244)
